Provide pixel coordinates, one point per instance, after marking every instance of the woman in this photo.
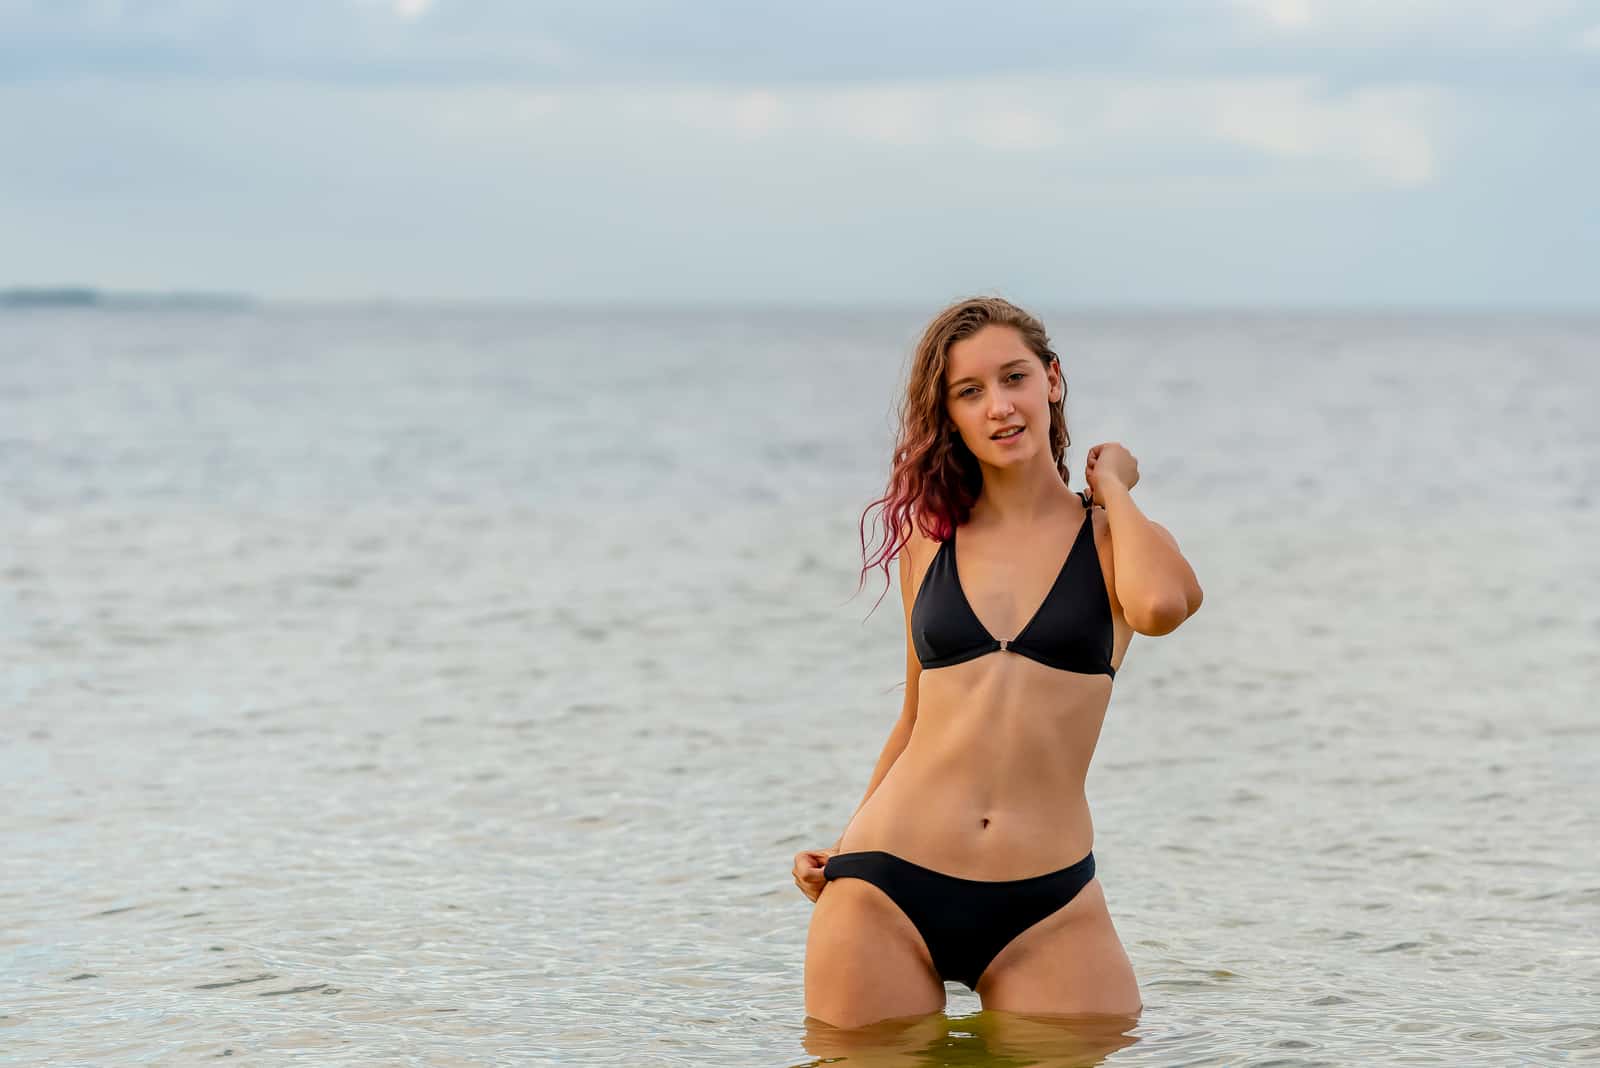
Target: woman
(969, 859)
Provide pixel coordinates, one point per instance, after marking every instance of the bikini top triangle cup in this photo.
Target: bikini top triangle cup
(1071, 630)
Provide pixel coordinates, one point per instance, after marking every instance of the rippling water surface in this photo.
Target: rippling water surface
(454, 686)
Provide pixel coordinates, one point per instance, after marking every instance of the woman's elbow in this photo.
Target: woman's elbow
(1165, 616)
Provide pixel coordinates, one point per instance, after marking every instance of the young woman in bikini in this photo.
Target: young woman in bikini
(969, 859)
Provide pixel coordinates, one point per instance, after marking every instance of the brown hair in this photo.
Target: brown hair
(935, 479)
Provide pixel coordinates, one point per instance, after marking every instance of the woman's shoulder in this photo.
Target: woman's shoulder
(916, 549)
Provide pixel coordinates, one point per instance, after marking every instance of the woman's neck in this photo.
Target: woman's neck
(1021, 496)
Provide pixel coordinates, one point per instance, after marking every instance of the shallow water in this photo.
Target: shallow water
(438, 686)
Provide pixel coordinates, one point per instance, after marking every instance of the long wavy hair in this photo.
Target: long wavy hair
(935, 480)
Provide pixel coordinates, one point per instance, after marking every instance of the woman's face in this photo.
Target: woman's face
(994, 382)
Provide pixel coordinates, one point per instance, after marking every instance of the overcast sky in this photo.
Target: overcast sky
(1210, 152)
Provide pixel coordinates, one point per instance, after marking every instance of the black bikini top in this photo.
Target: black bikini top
(1071, 630)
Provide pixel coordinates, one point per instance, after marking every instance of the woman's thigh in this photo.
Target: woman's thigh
(865, 959)
(1071, 962)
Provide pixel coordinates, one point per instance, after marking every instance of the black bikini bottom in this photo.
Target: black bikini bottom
(965, 923)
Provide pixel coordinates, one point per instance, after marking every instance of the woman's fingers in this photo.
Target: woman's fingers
(808, 866)
(809, 880)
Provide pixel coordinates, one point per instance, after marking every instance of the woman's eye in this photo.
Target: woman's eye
(970, 389)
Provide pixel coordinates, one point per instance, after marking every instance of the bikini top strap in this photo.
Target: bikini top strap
(1088, 498)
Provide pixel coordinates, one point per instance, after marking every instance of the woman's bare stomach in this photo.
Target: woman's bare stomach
(990, 784)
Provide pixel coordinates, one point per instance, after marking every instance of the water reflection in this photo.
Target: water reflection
(991, 1037)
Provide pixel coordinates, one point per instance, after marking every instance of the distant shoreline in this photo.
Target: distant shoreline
(90, 297)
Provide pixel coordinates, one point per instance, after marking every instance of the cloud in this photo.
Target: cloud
(732, 42)
(1225, 148)
(1480, 23)
(406, 10)
(1114, 188)
(1289, 14)
(757, 113)
(1392, 135)
(1387, 132)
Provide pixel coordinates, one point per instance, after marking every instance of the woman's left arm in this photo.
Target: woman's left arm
(1156, 586)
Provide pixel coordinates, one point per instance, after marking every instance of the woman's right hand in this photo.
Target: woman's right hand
(808, 864)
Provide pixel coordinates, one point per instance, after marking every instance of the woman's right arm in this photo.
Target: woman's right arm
(901, 732)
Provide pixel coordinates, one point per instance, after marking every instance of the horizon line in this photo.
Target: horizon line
(81, 296)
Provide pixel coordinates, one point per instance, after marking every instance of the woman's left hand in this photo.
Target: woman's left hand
(1110, 462)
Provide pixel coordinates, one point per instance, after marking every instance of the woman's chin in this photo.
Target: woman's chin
(1010, 454)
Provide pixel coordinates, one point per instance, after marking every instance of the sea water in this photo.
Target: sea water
(454, 684)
